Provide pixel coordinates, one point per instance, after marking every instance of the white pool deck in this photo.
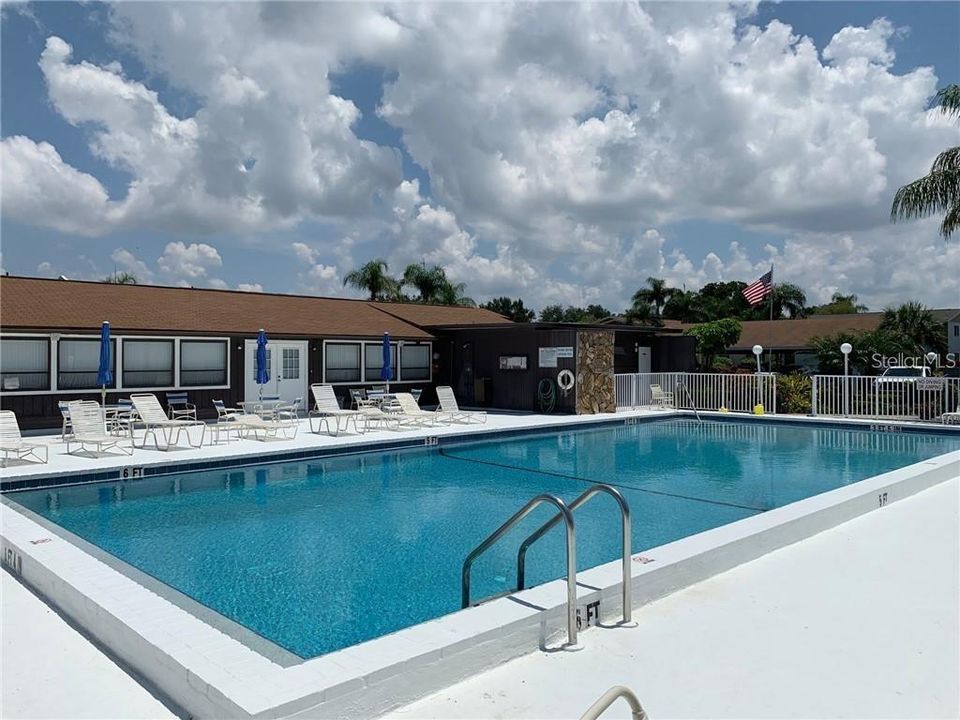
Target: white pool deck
(857, 621)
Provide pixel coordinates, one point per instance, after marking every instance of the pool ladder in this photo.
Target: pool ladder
(565, 515)
(683, 385)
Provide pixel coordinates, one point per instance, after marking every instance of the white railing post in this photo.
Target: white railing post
(813, 398)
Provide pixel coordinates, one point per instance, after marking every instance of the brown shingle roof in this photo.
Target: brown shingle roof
(799, 334)
(437, 315)
(70, 305)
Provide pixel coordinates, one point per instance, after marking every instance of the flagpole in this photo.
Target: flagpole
(770, 336)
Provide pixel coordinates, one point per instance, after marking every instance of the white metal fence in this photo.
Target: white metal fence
(885, 398)
(708, 391)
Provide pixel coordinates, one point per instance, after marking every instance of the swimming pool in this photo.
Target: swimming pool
(322, 554)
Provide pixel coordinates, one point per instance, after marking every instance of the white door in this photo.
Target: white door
(643, 359)
(287, 368)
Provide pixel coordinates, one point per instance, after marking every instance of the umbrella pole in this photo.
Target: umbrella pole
(103, 395)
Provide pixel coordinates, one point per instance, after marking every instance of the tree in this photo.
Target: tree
(597, 312)
(685, 306)
(656, 294)
(788, 299)
(722, 300)
(512, 309)
(372, 277)
(124, 278)
(715, 337)
(428, 281)
(839, 305)
(558, 313)
(939, 190)
(868, 346)
(453, 294)
(915, 326)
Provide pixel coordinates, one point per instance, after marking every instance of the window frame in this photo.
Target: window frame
(196, 341)
(43, 338)
(93, 339)
(428, 366)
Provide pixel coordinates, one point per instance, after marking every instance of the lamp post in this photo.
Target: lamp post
(846, 349)
(758, 351)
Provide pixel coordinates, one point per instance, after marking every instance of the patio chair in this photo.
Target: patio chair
(179, 408)
(12, 442)
(122, 420)
(90, 428)
(411, 412)
(67, 429)
(154, 420)
(226, 420)
(262, 428)
(660, 398)
(449, 405)
(358, 399)
(948, 418)
(328, 408)
(288, 411)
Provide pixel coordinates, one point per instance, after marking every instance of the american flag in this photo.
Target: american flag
(756, 292)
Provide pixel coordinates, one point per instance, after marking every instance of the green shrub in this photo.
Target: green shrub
(794, 393)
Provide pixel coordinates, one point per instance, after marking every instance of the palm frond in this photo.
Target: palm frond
(951, 221)
(948, 98)
(934, 193)
(948, 160)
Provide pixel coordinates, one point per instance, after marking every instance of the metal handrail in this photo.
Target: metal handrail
(693, 405)
(607, 699)
(625, 539)
(571, 556)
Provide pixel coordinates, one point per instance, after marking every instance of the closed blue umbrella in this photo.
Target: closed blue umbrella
(263, 377)
(104, 371)
(386, 371)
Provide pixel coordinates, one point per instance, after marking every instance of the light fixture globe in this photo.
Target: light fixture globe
(758, 350)
(931, 357)
(846, 348)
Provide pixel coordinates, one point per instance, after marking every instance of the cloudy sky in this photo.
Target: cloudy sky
(561, 152)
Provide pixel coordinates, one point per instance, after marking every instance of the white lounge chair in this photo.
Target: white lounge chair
(328, 408)
(67, 429)
(262, 428)
(12, 442)
(449, 405)
(660, 398)
(90, 428)
(154, 420)
(225, 420)
(411, 412)
(948, 418)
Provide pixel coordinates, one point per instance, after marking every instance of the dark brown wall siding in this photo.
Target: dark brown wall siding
(476, 355)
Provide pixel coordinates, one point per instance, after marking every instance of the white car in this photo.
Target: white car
(903, 373)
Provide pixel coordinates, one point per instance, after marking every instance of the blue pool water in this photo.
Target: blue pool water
(322, 554)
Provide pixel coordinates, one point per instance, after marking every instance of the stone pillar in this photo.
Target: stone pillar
(595, 393)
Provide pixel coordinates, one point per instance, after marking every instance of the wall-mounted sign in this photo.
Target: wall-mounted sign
(513, 362)
(549, 355)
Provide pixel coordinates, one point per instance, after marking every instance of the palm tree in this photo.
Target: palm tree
(914, 324)
(656, 294)
(124, 278)
(453, 294)
(939, 190)
(373, 278)
(427, 280)
(789, 298)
